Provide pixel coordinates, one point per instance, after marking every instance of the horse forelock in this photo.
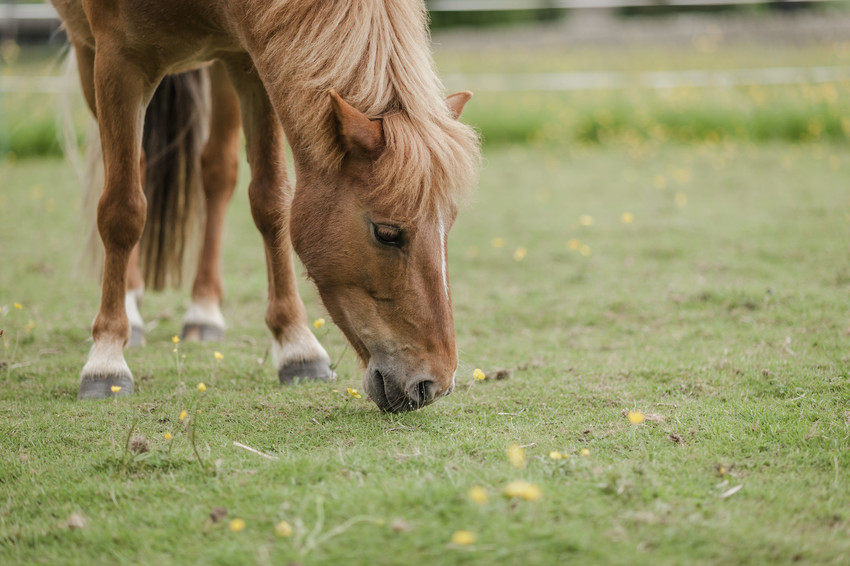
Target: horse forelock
(376, 55)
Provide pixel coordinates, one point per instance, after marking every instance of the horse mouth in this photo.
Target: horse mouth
(388, 395)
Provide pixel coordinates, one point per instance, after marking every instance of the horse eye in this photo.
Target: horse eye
(387, 235)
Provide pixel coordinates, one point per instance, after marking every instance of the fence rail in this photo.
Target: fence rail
(513, 5)
(41, 19)
(654, 80)
(558, 82)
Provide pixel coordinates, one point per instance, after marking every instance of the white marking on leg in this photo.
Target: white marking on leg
(298, 344)
(131, 305)
(106, 359)
(204, 312)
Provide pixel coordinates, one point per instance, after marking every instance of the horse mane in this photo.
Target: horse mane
(376, 54)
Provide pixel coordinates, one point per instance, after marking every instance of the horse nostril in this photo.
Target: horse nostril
(423, 392)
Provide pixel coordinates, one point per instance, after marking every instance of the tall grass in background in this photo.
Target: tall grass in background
(32, 123)
(798, 113)
(792, 113)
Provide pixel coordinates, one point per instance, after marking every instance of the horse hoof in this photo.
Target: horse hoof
(105, 386)
(202, 333)
(301, 371)
(137, 337)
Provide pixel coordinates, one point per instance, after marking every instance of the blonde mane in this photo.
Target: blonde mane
(376, 54)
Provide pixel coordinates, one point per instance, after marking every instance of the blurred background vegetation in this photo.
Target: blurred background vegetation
(503, 55)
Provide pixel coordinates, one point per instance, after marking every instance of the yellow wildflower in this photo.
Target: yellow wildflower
(236, 525)
(555, 455)
(584, 452)
(521, 489)
(627, 218)
(218, 355)
(636, 417)
(183, 415)
(354, 393)
(283, 529)
(478, 494)
(498, 242)
(463, 538)
(682, 176)
(573, 244)
(586, 220)
(478, 375)
(318, 323)
(516, 455)
(115, 388)
(175, 339)
(584, 250)
(18, 306)
(202, 387)
(660, 181)
(168, 436)
(834, 162)
(520, 254)
(681, 199)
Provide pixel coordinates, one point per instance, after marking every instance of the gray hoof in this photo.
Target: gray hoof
(202, 333)
(100, 386)
(137, 337)
(315, 370)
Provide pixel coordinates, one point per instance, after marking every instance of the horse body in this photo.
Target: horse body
(380, 160)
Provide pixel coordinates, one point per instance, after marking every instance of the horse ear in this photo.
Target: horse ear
(457, 101)
(358, 133)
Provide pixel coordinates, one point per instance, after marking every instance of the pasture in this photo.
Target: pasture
(702, 284)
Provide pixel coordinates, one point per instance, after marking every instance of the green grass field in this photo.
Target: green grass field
(648, 252)
(720, 312)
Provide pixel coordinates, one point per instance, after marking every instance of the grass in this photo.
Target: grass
(720, 312)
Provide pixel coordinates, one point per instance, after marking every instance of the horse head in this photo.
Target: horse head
(379, 264)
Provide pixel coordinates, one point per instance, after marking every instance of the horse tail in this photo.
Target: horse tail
(175, 131)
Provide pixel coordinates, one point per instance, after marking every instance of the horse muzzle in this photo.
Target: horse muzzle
(395, 391)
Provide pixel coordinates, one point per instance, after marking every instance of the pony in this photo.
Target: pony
(381, 163)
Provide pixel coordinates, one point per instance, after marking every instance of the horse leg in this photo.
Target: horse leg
(219, 163)
(295, 350)
(135, 280)
(121, 92)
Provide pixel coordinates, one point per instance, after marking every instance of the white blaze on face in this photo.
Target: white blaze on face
(443, 261)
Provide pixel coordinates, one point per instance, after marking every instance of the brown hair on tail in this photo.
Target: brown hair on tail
(176, 129)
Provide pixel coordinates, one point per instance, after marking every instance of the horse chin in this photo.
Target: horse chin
(375, 387)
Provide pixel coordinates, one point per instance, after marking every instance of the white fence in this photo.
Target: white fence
(512, 5)
(42, 18)
(23, 16)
